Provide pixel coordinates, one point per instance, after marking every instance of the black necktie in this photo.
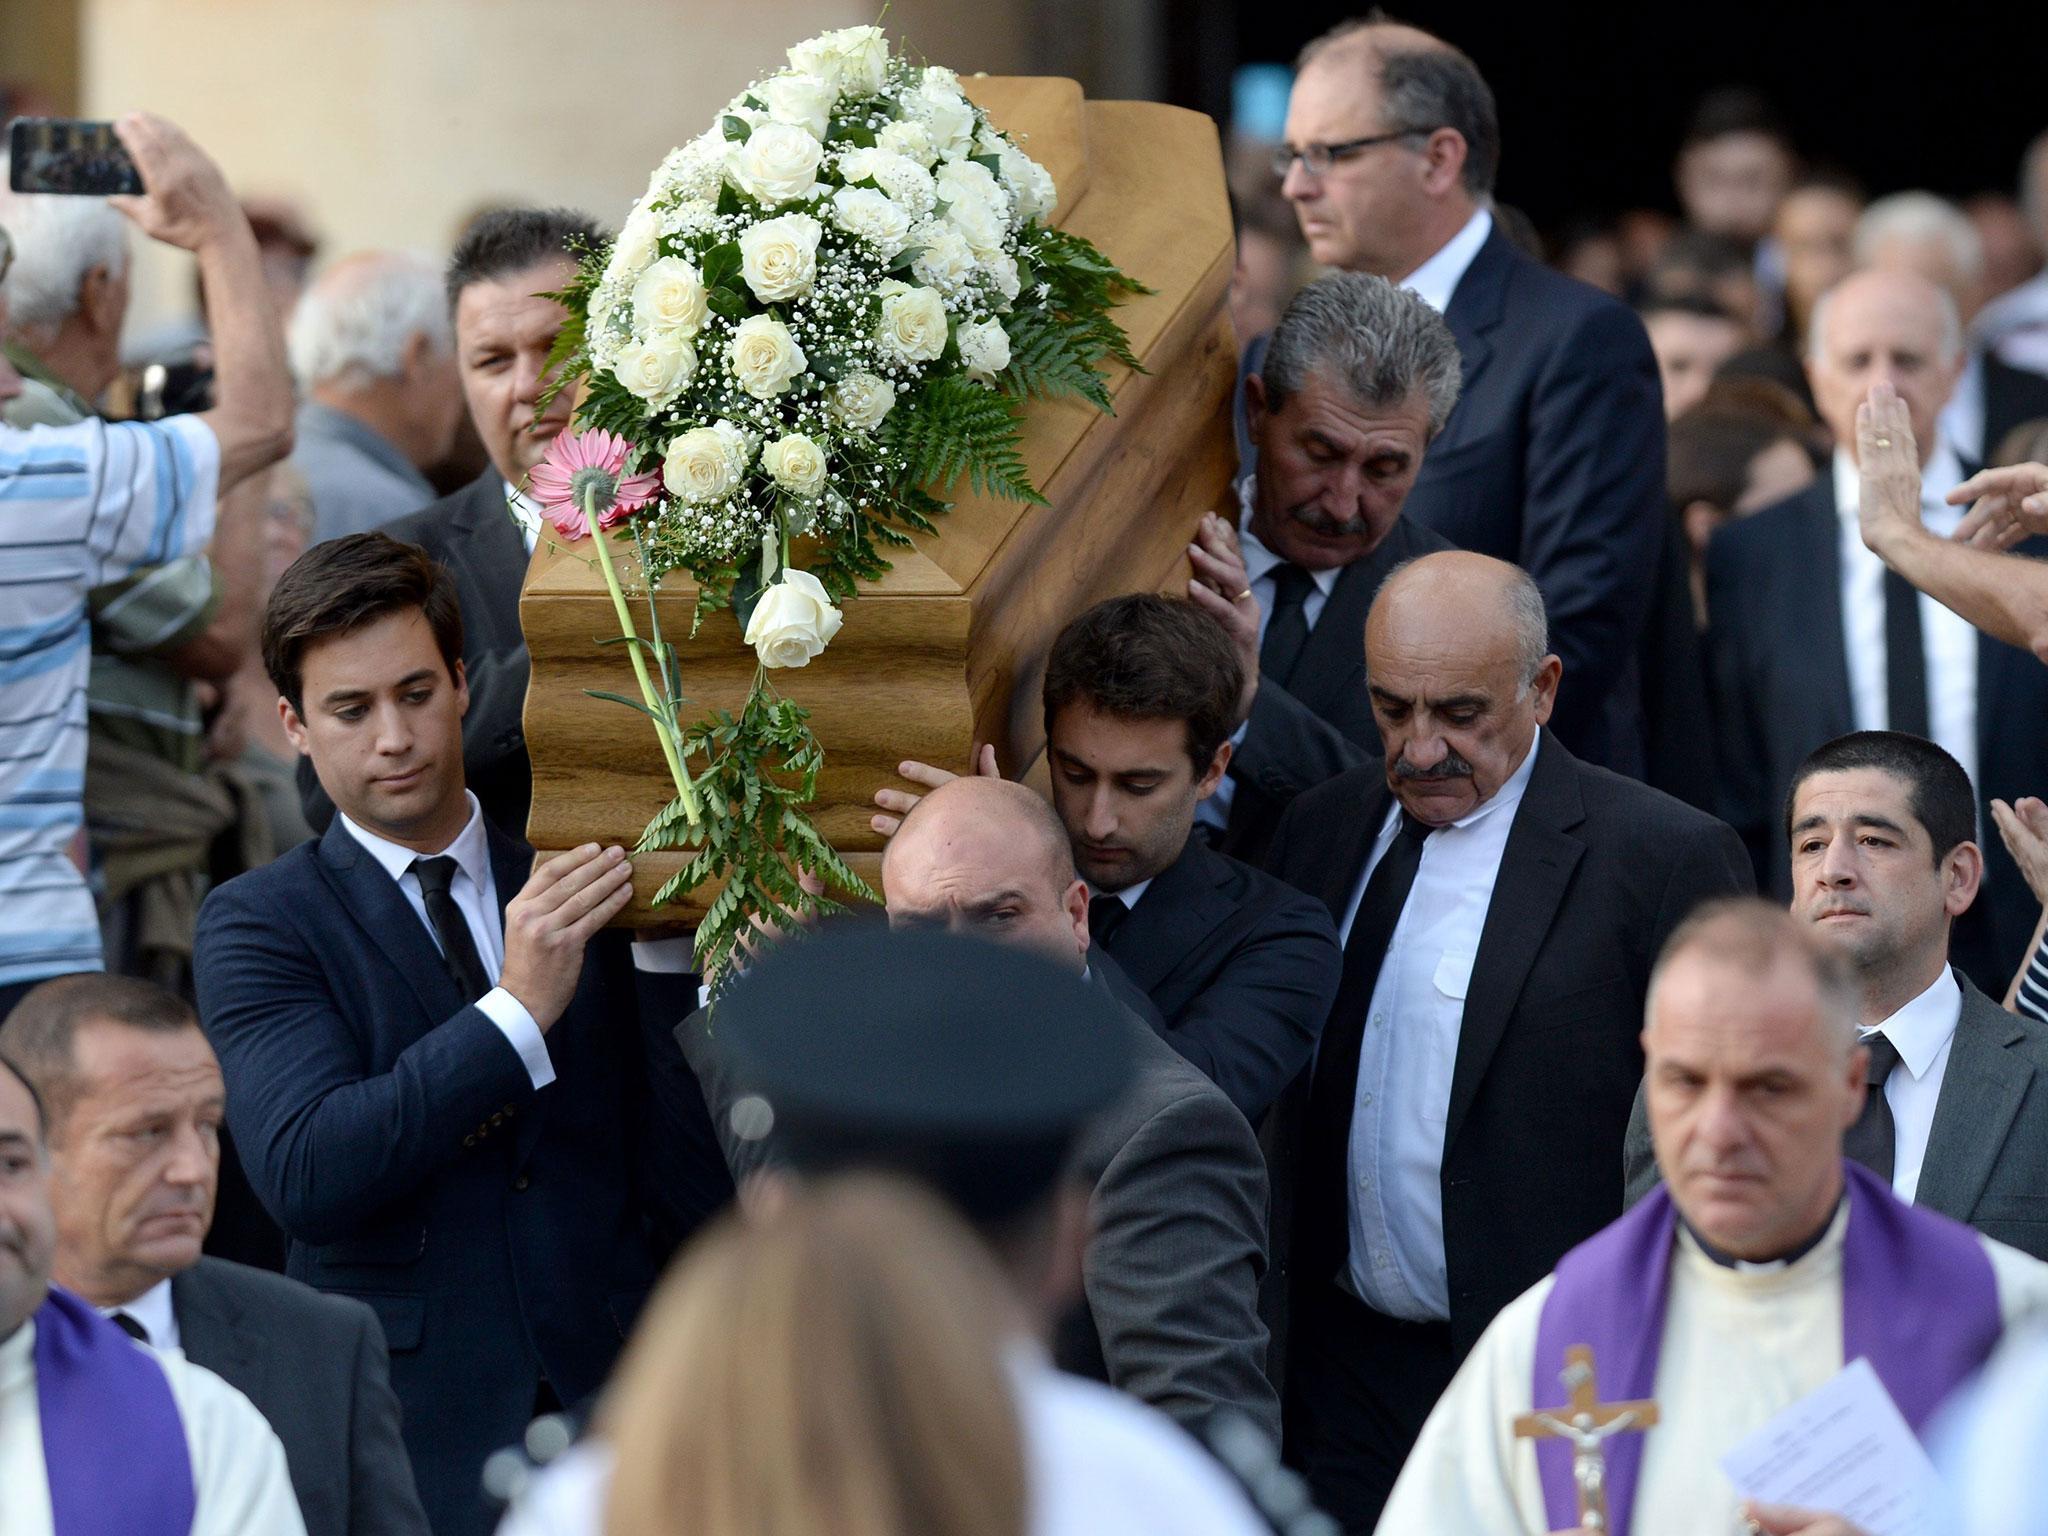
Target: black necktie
(1287, 626)
(458, 948)
(1105, 914)
(130, 1326)
(1334, 1088)
(1873, 1139)
(1905, 657)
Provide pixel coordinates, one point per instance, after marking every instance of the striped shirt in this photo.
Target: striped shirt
(79, 507)
(2032, 997)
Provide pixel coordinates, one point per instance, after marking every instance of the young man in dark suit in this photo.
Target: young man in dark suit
(1501, 904)
(1140, 696)
(1554, 456)
(459, 1101)
(498, 278)
(134, 1100)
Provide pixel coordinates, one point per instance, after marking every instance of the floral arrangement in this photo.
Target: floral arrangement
(823, 313)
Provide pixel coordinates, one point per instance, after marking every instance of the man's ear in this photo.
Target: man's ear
(1962, 875)
(1443, 161)
(101, 301)
(1218, 766)
(1255, 402)
(461, 687)
(1545, 687)
(294, 727)
(1076, 904)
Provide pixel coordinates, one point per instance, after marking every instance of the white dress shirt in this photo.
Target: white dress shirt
(239, 1482)
(1129, 895)
(1409, 1047)
(1437, 278)
(1949, 639)
(474, 891)
(1259, 565)
(1923, 1031)
(525, 512)
(153, 1310)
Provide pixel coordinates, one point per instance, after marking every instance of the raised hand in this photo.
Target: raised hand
(1888, 463)
(2024, 826)
(897, 803)
(185, 201)
(1222, 588)
(2011, 505)
(563, 904)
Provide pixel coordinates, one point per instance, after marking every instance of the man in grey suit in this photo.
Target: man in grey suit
(1882, 828)
(1177, 1242)
(135, 1100)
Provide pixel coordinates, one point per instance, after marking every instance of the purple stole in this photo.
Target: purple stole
(1919, 1301)
(113, 1442)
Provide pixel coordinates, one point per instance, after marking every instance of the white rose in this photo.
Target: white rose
(871, 216)
(794, 621)
(804, 100)
(779, 257)
(909, 139)
(855, 59)
(778, 163)
(947, 260)
(966, 181)
(635, 247)
(937, 77)
(913, 328)
(906, 182)
(669, 296)
(1036, 196)
(656, 368)
(796, 464)
(980, 226)
(862, 399)
(946, 116)
(984, 349)
(701, 465)
(764, 356)
(1001, 268)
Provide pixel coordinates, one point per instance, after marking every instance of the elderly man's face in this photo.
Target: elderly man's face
(27, 1231)
(976, 875)
(503, 332)
(1888, 326)
(1333, 472)
(134, 1162)
(1749, 1089)
(1358, 215)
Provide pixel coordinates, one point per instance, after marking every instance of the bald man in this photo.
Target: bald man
(1177, 1241)
(1810, 637)
(374, 356)
(1500, 904)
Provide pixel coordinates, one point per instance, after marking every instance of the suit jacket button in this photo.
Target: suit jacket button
(469, 1140)
(498, 1118)
(521, 1182)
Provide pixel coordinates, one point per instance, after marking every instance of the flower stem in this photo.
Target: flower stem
(663, 719)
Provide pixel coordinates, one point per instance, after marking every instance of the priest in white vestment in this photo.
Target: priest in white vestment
(99, 1435)
(1768, 1266)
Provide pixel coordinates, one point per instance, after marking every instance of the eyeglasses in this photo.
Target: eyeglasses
(1317, 159)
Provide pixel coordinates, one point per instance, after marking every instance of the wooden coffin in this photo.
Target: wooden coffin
(949, 648)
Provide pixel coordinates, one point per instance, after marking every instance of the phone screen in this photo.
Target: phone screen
(65, 155)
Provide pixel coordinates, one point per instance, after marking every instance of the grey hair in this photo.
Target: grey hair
(355, 322)
(1379, 343)
(1921, 217)
(1525, 611)
(57, 241)
(2034, 187)
(1753, 935)
(1945, 304)
(1424, 88)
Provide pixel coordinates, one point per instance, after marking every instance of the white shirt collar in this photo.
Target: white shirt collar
(1128, 895)
(1944, 472)
(525, 512)
(471, 850)
(1921, 1028)
(1258, 559)
(1437, 278)
(154, 1311)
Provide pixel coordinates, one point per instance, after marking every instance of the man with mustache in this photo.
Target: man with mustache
(1358, 378)
(1500, 904)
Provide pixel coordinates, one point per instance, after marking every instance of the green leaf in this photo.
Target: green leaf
(620, 698)
(722, 263)
(746, 593)
(993, 164)
(737, 129)
(844, 130)
(906, 258)
(725, 302)
(730, 199)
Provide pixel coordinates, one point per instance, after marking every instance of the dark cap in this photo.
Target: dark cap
(969, 1066)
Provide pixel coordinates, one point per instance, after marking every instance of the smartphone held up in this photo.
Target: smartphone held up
(69, 156)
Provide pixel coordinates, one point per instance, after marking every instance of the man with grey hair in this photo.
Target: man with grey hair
(1810, 636)
(1919, 232)
(374, 355)
(1554, 456)
(2014, 326)
(1358, 378)
(67, 296)
(1764, 1265)
(1500, 904)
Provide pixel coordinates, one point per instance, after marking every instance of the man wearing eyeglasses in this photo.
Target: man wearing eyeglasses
(1553, 457)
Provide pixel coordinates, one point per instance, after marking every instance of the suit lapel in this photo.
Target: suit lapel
(1349, 843)
(1185, 903)
(210, 1327)
(1816, 607)
(1334, 657)
(380, 909)
(1535, 871)
(1475, 309)
(1981, 1092)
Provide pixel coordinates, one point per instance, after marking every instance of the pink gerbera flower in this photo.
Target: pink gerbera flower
(585, 472)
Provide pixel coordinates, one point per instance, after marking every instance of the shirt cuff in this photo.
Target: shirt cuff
(666, 957)
(520, 1032)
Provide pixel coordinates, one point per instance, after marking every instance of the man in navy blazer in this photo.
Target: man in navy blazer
(459, 1101)
(1553, 457)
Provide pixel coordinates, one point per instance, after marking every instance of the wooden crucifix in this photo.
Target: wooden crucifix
(1588, 1424)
